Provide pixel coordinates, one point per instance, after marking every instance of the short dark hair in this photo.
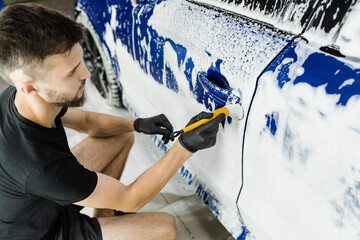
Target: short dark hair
(29, 33)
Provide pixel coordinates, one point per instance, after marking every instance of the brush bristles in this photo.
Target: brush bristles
(236, 111)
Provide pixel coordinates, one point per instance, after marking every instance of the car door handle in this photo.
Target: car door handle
(217, 88)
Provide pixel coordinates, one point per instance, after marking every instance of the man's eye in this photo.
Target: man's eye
(71, 74)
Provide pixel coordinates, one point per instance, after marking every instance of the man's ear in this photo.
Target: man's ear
(23, 81)
(28, 88)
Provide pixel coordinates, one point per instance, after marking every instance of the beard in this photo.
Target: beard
(66, 100)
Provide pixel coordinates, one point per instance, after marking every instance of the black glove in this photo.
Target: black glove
(201, 137)
(155, 125)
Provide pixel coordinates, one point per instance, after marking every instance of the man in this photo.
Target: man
(42, 181)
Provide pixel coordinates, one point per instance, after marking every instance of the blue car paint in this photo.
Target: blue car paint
(272, 121)
(171, 82)
(220, 96)
(320, 69)
(244, 233)
(333, 73)
(98, 14)
(352, 198)
(180, 52)
(189, 67)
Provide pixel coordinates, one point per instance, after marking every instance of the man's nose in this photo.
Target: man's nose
(85, 73)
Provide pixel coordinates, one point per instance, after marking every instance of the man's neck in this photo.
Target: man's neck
(36, 109)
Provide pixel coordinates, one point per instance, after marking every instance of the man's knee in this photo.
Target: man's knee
(125, 140)
(130, 138)
(168, 226)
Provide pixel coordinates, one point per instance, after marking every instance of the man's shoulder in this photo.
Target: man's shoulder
(7, 92)
(5, 96)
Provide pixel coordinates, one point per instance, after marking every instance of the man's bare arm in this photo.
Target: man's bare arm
(96, 124)
(110, 193)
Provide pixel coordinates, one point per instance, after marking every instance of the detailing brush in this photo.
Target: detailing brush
(233, 110)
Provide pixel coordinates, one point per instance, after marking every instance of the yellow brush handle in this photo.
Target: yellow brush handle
(206, 120)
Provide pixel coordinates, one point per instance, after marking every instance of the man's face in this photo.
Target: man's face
(64, 78)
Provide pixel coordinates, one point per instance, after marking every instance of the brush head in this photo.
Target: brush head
(236, 111)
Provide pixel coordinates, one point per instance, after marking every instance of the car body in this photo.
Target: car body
(289, 169)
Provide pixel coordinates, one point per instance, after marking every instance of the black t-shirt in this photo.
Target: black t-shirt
(38, 174)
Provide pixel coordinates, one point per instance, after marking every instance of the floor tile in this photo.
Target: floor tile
(183, 231)
(203, 225)
(170, 198)
(155, 204)
(197, 219)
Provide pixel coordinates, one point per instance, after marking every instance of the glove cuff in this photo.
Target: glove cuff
(136, 124)
(186, 146)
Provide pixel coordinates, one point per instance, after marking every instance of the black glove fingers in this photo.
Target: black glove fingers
(203, 136)
(212, 141)
(137, 124)
(155, 125)
(205, 115)
(164, 122)
(209, 133)
(213, 125)
(193, 120)
(162, 131)
(200, 116)
(165, 139)
(217, 120)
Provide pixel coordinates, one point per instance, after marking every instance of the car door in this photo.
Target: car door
(176, 50)
(182, 57)
(173, 51)
(301, 154)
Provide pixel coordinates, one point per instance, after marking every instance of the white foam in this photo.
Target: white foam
(295, 11)
(347, 82)
(345, 35)
(349, 36)
(297, 180)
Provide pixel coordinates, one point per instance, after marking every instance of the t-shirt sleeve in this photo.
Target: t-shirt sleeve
(64, 182)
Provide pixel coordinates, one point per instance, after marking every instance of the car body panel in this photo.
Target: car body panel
(305, 116)
(160, 61)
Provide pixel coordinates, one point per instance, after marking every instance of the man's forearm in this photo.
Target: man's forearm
(103, 125)
(150, 183)
(110, 193)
